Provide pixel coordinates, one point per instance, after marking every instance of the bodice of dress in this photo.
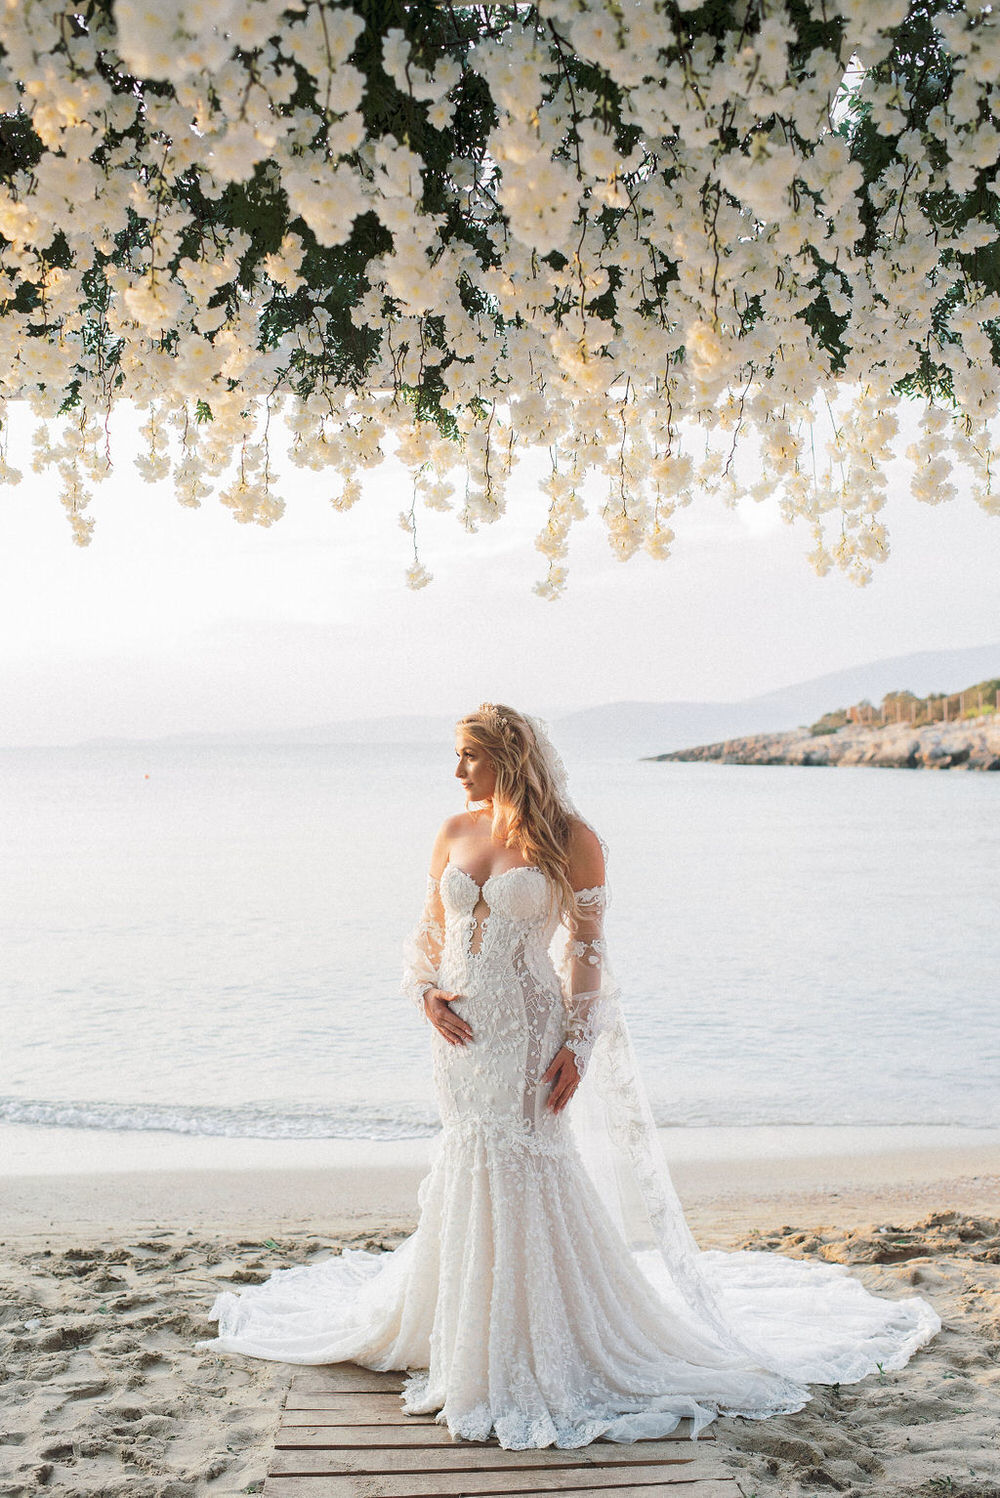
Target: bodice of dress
(499, 961)
(492, 945)
(513, 929)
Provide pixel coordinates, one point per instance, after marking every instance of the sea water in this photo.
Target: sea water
(206, 939)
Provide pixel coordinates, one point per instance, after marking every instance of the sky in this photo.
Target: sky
(175, 620)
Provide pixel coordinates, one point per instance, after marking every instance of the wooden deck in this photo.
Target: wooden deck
(343, 1435)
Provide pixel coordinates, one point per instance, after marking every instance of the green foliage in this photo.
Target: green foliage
(980, 700)
(829, 723)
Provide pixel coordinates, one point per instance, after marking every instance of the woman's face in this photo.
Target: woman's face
(475, 770)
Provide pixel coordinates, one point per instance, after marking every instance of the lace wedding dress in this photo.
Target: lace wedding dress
(552, 1292)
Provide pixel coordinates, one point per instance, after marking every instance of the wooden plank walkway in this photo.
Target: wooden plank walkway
(343, 1434)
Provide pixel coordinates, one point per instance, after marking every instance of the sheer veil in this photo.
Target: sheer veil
(616, 1135)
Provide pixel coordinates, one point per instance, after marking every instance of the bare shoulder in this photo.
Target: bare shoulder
(451, 828)
(586, 856)
(583, 838)
(456, 826)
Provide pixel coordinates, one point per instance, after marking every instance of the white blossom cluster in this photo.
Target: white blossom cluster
(635, 264)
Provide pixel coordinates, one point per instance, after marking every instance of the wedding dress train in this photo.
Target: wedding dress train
(552, 1292)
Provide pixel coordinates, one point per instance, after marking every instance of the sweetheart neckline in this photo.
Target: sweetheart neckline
(517, 868)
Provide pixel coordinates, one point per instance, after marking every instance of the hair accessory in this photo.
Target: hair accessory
(490, 709)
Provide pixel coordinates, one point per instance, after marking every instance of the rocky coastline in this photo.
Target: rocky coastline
(970, 744)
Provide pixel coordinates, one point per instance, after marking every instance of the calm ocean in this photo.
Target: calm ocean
(206, 940)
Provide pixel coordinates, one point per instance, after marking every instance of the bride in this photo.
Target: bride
(552, 1293)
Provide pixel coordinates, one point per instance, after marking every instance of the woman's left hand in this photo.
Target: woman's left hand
(565, 1079)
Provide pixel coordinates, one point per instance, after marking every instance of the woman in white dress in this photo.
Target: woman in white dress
(552, 1293)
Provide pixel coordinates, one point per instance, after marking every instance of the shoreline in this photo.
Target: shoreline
(729, 1180)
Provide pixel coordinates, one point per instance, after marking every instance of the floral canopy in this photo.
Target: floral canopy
(638, 234)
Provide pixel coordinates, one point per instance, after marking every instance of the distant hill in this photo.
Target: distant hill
(648, 728)
(635, 729)
(396, 730)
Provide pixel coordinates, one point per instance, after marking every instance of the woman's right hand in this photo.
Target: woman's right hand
(437, 1007)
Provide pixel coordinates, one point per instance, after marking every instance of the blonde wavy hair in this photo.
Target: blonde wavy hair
(527, 812)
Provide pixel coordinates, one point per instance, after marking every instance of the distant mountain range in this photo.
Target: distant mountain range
(398, 730)
(632, 729)
(641, 728)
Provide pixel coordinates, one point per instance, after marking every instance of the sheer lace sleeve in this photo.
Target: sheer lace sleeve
(584, 994)
(423, 946)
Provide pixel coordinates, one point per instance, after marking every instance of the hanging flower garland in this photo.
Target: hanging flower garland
(645, 235)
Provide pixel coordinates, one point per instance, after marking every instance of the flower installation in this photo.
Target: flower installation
(668, 244)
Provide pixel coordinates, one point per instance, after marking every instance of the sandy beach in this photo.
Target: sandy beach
(110, 1266)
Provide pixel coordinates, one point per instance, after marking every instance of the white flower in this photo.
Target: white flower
(234, 155)
(594, 35)
(148, 36)
(324, 39)
(328, 200)
(441, 114)
(283, 266)
(346, 89)
(597, 149)
(771, 48)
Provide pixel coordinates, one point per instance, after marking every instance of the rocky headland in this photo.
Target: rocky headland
(973, 744)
